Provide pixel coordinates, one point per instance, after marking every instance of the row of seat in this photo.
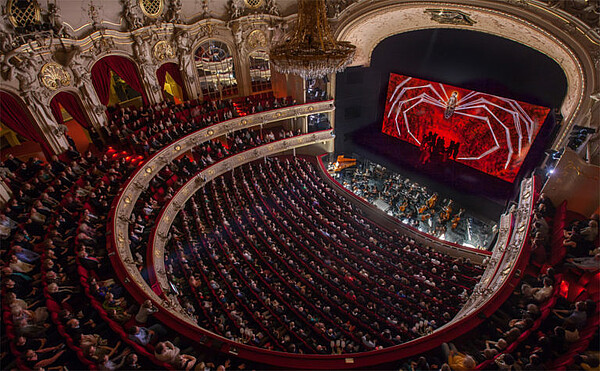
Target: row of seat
(350, 282)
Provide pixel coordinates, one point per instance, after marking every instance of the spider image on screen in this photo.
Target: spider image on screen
(494, 133)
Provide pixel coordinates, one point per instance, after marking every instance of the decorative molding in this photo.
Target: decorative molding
(163, 50)
(240, 8)
(133, 13)
(505, 253)
(256, 39)
(93, 13)
(174, 12)
(450, 16)
(336, 7)
(54, 76)
(100, 45)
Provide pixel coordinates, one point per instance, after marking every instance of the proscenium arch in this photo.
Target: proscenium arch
(368, 25)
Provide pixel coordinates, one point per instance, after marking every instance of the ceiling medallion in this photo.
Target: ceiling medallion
(256, 39)
(449, 16)
(312, 51)
(163, 50)
(54, 76)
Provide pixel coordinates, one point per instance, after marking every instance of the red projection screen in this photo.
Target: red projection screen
(494, 133)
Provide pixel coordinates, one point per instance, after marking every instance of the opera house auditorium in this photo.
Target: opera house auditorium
(300, 184)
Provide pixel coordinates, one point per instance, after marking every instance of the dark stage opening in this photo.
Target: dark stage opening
(466, 59)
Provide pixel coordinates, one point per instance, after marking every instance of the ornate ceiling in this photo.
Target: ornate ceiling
(78, 15)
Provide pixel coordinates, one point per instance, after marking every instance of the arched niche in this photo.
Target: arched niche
(79, 127)
(17, 117)
(216, 69)
(260, 71)
(122, 66)
(172, 69)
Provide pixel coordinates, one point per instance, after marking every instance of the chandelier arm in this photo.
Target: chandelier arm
(312, 51)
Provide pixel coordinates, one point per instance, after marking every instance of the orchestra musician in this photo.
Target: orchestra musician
(432, 200)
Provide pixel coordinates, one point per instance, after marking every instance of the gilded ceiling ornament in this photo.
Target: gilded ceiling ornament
(163, 50)
(205, 30)
(256, 39)
(253, 3)
(23, 14)
(54, 76)
(313, 50)
(151, 8)
(450, 16)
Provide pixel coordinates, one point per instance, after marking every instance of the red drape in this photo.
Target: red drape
(55, 108)
(15, 118)
(122, 67)
(71, 105)
(173, 70)
(101, 81)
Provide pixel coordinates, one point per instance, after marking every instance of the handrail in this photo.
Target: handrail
(484, 300)
(504, 281)
(158, 237)
(124, 203)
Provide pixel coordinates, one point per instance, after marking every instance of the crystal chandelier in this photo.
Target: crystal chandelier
(312, 51)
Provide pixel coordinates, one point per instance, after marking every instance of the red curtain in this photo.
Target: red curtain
(101, 81)
(173, 70)
(71, 104)
(122, 67)
(16, 118)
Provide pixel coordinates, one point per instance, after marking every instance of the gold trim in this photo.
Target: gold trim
(250, 5)
(163, 50)
(152, 15)
(37, 13)
(256, 39)
(53, 76)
